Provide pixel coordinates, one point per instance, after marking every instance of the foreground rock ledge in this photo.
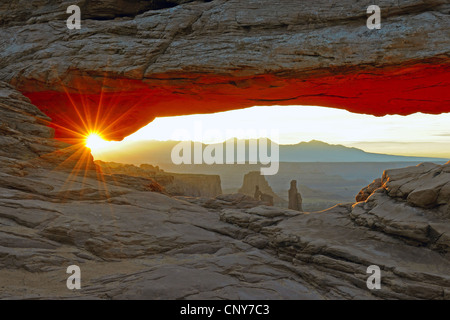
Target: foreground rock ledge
(146, 245)
(183, 57)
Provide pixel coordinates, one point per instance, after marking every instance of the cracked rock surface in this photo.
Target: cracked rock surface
(131, 243)
(176, 57)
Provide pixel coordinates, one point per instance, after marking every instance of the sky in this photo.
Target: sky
(414, 135)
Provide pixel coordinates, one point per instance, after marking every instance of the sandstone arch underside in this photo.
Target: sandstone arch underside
(132, 62)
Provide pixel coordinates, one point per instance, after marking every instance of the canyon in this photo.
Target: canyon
(58, 208)
(135, 232)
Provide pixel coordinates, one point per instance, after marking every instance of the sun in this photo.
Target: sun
(95, 142)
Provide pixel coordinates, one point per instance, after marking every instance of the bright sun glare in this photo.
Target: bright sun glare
(414, 135)
(95, 142)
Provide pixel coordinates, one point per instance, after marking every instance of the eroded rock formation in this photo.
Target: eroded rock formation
(133, 243)
(176, 184)
(254, 179)
(265, 198)
(367, 191)
(295, 198)
(132, 61)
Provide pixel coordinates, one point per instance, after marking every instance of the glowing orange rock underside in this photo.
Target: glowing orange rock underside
(117, 107)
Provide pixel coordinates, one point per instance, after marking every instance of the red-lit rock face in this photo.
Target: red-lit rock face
(116, 75)
(119, 107)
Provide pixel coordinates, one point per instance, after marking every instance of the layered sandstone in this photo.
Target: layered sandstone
(254, 179)
(131, 242)
(132, 61)
(176, 184)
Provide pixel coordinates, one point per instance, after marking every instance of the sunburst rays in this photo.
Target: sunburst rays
(83, 129)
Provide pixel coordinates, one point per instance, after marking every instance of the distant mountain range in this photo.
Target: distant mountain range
(155, 152)
(318, 151)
